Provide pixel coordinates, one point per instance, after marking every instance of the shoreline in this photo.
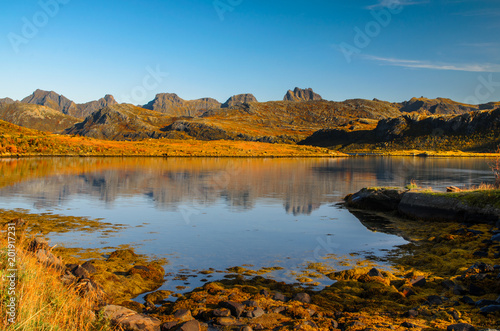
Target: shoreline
(438, 281)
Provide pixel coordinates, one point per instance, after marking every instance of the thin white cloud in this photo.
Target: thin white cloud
(391, 3)
(416, 64)
(480, 12)
(481, 45)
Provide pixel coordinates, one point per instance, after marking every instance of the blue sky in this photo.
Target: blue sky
(386, 49)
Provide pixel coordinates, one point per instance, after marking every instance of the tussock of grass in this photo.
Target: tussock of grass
(43, 302)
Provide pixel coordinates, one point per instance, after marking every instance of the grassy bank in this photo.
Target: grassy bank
(41, 301)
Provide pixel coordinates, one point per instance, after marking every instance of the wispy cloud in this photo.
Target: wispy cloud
(390, 3)
(416, 64)
(481, 45)
(480, 12)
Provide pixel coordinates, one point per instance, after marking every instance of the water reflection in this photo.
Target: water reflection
(302, 185)
(205, 213)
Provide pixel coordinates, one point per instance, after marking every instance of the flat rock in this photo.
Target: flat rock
(280, 297)
(302, 297)
(490, 309)
(236, 308)
(460, 327)
(129, 319)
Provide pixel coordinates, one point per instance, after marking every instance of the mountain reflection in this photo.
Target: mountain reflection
(302, 185)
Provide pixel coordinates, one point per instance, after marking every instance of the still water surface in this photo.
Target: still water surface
(205, 213)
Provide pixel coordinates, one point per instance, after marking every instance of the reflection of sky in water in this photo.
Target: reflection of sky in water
(219, 214)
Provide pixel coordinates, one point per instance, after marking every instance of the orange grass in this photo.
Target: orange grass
(42, 301)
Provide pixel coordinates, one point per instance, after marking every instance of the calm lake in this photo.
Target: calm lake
(203, 213)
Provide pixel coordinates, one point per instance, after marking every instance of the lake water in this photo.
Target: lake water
(202, 213)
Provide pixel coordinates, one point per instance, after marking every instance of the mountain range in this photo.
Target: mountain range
(302, 116)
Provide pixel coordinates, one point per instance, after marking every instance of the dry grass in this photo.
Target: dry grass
(42, 302)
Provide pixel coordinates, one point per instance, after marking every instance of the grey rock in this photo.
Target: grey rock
(460, 327)
(236, 308)
(302, 297)
(280, 297)
(129, 319)
(490, 309)
(89, 267)
(374, 272)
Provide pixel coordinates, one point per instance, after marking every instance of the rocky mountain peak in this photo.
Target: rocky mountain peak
(239, 99)
(299, 94)
(52, 100)
(172, 104)
(85, 109)
(6, 101)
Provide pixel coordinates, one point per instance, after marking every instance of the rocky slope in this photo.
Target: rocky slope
(472, 130)
(238, 100)
(171, 104)
(85, 109)
(301, 95)
(52, 100)
(436, 106)
(6, 101)
(36, 117)
(121, 122)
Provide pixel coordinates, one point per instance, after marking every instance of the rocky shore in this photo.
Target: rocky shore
(446, 278)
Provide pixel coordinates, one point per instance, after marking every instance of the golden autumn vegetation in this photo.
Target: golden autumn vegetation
(18, 141)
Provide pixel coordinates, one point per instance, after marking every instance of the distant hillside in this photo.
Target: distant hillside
(472, 131)
(238, 100)
(36, 117)
(283, 121)
(171, 104)
(122, 122)
(436, 106)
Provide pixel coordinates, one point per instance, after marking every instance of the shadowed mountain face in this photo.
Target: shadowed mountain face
(436, 106)
(301, 95)
(476, 129)
(36, 117)
(121, 122)
(238, 100)
(85, 109)
(171, 104)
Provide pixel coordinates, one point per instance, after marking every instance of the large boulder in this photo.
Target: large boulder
(380, 199)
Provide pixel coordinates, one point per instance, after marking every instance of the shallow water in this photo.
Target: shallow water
(204, 213)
